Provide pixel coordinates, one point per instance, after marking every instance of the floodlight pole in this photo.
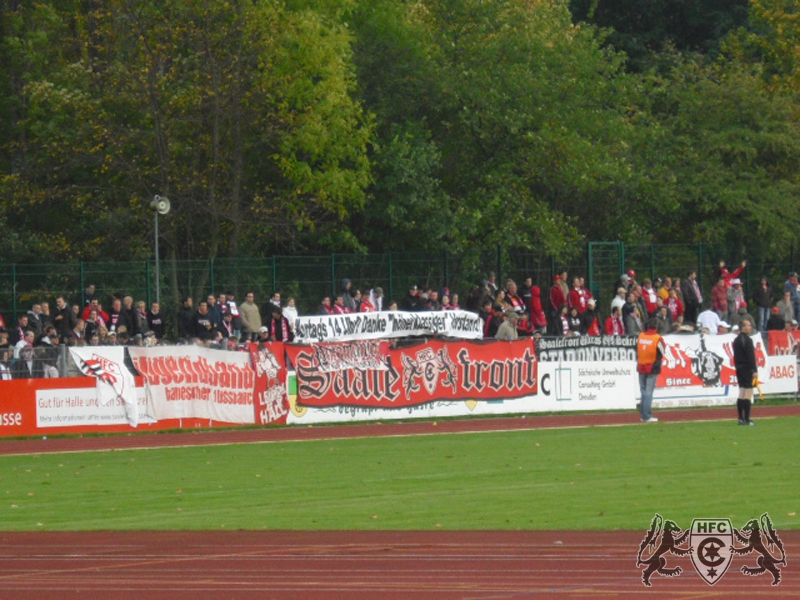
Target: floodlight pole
(158, 273)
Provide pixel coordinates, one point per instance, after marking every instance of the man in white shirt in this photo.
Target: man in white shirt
(709, 321)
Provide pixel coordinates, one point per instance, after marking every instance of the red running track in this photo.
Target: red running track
(329, 565)
(422, 565)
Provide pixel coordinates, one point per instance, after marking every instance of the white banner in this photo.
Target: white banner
(114, 381)
(82, 407)
(192, 382)
(587, 385)
(388, 324)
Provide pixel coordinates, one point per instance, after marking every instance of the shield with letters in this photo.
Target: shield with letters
(711, 541)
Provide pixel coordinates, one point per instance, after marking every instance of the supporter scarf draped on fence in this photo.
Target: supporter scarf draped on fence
(388, 324)
(428, 371)
(195, 382)
(271, 397)
(115, 383)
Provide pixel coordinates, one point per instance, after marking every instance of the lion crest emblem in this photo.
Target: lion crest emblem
(663, 537)
(759, 536)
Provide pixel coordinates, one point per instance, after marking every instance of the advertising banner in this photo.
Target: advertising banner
(610, 348)
(587, 385)
(783, 342)
(115, 383)
(413, 375)
(387, 324)
(194, 382)
(271, 398)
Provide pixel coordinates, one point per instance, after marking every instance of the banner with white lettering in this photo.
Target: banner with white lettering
(114, 381)
(271, 395)
(424, 372)
(194, 382)
(387, 324)
(611, 348)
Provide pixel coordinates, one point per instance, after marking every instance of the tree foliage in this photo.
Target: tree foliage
(379, 125)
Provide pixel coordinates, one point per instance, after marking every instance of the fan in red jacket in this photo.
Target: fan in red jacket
(536, 311)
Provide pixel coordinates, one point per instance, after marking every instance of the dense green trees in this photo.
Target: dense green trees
(354, 125)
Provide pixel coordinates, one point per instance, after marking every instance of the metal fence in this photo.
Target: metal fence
(308, 278)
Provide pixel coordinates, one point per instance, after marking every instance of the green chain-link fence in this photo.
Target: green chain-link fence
(308, 278)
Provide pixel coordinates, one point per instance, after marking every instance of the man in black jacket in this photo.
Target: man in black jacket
(186, 318)
(692, 298)
(64, 319)
(744, 359)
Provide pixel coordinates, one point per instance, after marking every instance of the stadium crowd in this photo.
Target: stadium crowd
(29, 346)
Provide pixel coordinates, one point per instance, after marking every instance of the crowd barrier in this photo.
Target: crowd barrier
(369, 379)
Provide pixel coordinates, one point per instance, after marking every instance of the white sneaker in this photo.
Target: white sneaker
(650, 420)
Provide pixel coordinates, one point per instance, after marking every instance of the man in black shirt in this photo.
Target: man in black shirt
(744, 359)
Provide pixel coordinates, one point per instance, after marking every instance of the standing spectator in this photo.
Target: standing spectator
(491, 284)
(513, 299)
(202, 326)
(275, 299)
(619, 300)
(18, 332)
(339, 307)
(650, 297)
(433, 301)
(290, 311)
(186, 318)
(650, 349)
(96, 305)
(325, 307)
(35, 322)
(494, 317)
(155, 321)
(577, 298)
(234, 309)
(278, 325)
(412, 301)
(251, 317)
(138, 318)
(762, 297)
(692, 298)
(536, 311)
(560, 323)
(88, 294)
(590, 321)
(78, 333)
(791, 287)
(574, 321)
(719, 299)
(508, 328)
(786, 307)
(47, 318)
(776, 322)
(376, 298)
(119, 317)
(26, 367)
(675, 306)
(737, 305)
(722, 272)
(347, 296)
(366, 305)
(94, 322)
(559, 293)
(708, 321)
(663, 290)
(663, 320)
(614, 324)
(633, 321)
(64, 319)
(525, 292)
(214, 310)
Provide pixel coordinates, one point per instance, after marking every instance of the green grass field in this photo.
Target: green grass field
(594, 478)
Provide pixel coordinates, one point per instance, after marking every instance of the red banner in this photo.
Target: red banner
(428, 371)
(271, 400)
(783, 342)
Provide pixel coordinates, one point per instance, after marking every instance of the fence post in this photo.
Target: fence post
(446, 269)
(147, 283)
(652, 262)
(621, 259)
(212, 276)
(14, 291)
(333, 275)
(82, 282)
(700, 265)
(499, 269)
(391, 276)
(590, 260)
(274, 276)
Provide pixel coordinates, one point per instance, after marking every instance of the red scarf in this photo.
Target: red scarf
(284, 330)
